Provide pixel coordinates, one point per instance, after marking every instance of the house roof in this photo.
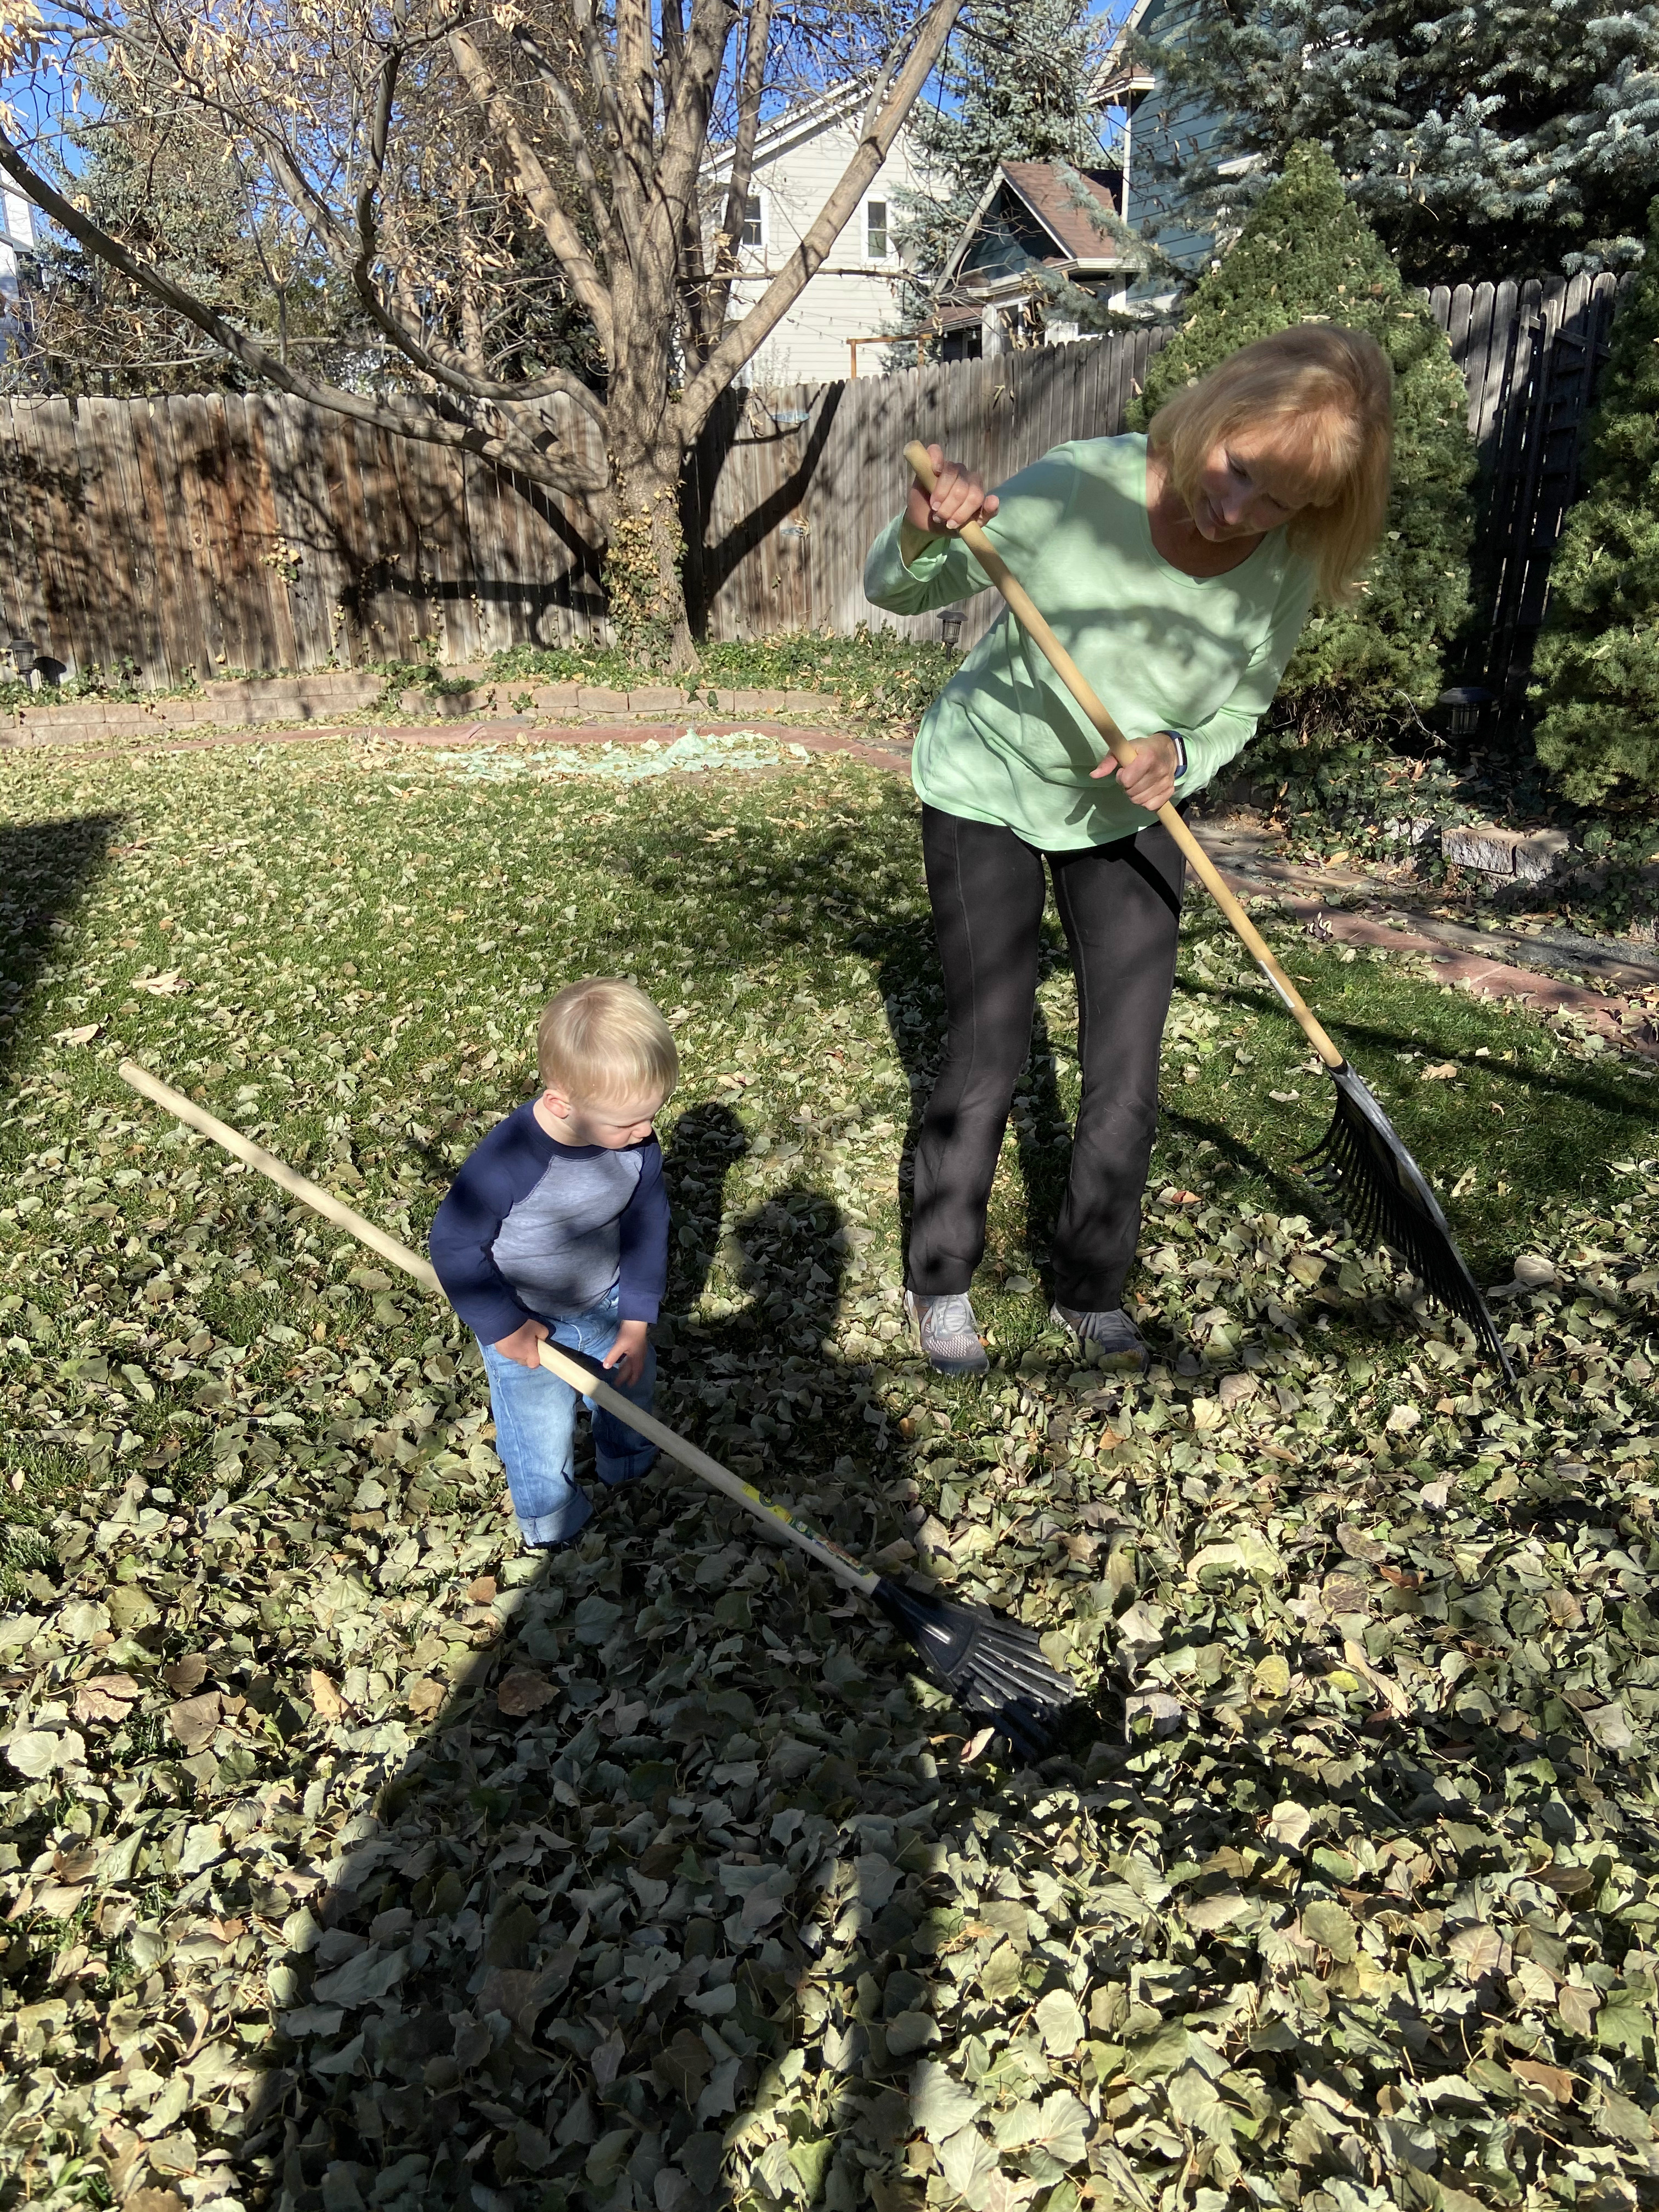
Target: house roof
(1118, 74)
(797, 119)
(1047, 192)
(1051, 195)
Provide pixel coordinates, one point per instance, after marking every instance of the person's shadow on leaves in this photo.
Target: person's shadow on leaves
(674, 1771)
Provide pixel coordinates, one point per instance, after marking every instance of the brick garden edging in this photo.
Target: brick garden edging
(475, 695)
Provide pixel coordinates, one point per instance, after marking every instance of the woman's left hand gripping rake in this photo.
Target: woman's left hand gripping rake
(1360, 1164)
(991, 1667)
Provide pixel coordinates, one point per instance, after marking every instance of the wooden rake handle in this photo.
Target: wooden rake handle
(1025, 612)
(778, 1522)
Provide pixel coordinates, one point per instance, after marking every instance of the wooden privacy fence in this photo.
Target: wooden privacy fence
(1530, 355)
(261, 534)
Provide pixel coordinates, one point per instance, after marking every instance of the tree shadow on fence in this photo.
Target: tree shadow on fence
(709, 567)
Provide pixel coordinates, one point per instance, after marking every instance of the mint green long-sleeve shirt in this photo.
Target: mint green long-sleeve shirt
(1005, 742)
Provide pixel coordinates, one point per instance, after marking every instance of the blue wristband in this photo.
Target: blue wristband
(1180, 744)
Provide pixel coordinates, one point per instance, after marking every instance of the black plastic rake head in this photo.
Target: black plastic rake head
(1361, 1166)
(992, 1667)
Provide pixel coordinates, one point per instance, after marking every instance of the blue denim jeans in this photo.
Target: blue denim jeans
(535, 1428)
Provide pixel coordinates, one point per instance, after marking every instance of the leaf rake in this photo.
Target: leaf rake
(1361, 1166)
(991, 1667)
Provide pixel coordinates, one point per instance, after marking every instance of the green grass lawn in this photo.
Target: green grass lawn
(350, 1858)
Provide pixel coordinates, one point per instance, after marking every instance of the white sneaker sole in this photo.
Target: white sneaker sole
(976, 1363)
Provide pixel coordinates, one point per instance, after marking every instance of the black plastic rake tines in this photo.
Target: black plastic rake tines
(994, 1668)
(1361, 1166)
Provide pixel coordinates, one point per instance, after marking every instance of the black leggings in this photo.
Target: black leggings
(1120, 905)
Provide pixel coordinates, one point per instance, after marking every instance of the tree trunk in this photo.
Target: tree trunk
(645, 547)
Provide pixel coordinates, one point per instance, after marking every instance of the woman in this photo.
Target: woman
(1177, 569)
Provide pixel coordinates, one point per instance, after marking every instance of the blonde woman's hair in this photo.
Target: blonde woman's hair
(602, 1043)
(1332, 390)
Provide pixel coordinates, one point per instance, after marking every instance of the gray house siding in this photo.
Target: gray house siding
(1170, 134)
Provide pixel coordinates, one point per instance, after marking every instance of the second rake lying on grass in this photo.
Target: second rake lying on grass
(1360, 1162)
(992, 1667)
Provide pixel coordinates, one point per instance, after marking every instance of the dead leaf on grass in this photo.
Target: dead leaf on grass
(105, 1697)
(523, 1691)
(325, 1698)
(193, 1720)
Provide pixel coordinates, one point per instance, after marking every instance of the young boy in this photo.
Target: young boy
(557, 1225)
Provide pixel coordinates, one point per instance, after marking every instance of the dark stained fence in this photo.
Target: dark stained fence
(218, 532)
(1530, 355)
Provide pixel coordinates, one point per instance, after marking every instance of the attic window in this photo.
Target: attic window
(751, 220)
(876, 231)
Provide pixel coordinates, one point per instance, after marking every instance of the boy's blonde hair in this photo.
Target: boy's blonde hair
(602, 1043)
(1331, 390)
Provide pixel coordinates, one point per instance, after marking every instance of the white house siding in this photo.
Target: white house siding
(854, 295)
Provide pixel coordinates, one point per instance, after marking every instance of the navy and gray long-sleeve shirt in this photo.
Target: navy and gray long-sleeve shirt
(534, 1229)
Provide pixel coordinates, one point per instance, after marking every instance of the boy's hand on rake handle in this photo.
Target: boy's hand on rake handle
(626, 1358)
(522, 1345)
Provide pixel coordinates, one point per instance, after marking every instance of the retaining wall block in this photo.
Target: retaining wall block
(1531, 854)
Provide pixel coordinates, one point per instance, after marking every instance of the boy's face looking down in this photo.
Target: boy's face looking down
(609, 1123)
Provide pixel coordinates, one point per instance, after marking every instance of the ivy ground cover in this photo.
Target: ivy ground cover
(348, 1859)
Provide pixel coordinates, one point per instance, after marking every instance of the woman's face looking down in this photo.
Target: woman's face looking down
(1249, 484)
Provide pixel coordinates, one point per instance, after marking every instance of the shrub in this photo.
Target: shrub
(1305, 255)
(1596, 669)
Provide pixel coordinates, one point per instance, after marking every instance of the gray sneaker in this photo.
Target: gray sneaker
(1115, 1339)
(948, 1333)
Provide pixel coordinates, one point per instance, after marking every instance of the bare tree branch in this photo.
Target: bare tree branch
(576, 133)
(743, 343)
(757, 41)
(510, 451)
(598, 65)
(636, 89)
(536, 186)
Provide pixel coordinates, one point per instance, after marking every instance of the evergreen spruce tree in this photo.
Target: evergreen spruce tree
(1012, 88)
(1515, 139)
(1306, 255)
(1597, 664)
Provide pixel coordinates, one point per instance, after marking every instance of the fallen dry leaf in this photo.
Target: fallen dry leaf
(427, 1696)
(105, 1697)
(186, 1675)
(1442, 1071)
(1554, 2081)
(59, 1899)
(482, 1591)
(325, 1698)
(524, 1691)
(193, 1720)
